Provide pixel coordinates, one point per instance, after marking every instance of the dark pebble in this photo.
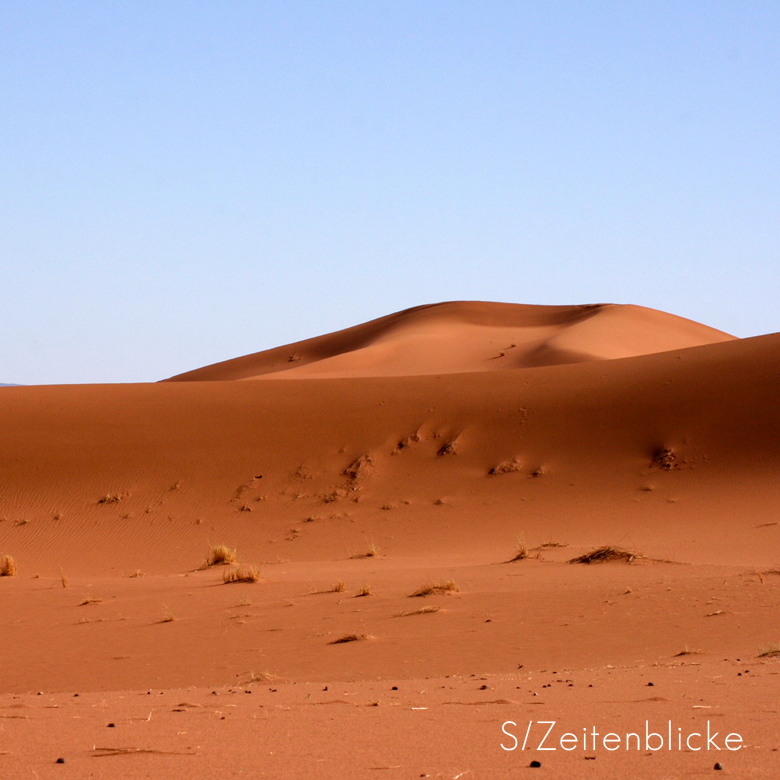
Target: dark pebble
(535, 764)
(718, 766)
(60, 761)
(111, 726)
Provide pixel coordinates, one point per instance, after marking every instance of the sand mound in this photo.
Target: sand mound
(467, 337)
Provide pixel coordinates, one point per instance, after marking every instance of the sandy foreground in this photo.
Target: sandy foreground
(355, 469)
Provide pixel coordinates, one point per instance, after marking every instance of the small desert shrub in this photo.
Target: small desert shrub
(241, 574)
(90, 600)
(168, 616)
(604, 554)
(349, 638)
(770, 651)
(111, 498)
(221, 555)
(8, 567)
(63, 579)
(365, 590)
(435, 588)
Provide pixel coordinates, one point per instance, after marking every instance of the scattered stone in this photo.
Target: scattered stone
(718, 765)
(60, 761)
(535, 764)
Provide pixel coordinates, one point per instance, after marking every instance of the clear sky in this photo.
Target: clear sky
(185, 182)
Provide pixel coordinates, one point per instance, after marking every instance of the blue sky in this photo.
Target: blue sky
(184, 182)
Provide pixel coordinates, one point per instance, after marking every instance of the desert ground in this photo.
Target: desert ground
(401, 503)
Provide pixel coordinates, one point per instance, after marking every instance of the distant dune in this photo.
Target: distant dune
(471, 336)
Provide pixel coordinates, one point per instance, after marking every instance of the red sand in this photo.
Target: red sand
(438, 438)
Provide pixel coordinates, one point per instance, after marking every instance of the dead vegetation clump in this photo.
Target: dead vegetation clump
(262, 677)
(221, 555)
(334, 495)
(365, 590)
(8, 567)
(430, 608)
(604, 554)
(435, 589)
(110, 498)
(350, 638)
(507, 467)
(360, 467)
(241, 574)
(770, 651)
(450, 448)
(664, 459)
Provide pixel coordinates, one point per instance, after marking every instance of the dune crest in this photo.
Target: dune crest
(467, 337)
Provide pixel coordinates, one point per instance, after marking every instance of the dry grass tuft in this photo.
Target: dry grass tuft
(769, 651)
(90, 600)
(137, 573)
(221, 555)
(168, 617)
(365, 590)
(8, 567)
(63, 579)
(521, 553)
(262, 677)
(686, 651)
(604, 554)
(435, 588)
(371, 552)
(350, 638)
(422, 611)
(339, 587)
(241, 574)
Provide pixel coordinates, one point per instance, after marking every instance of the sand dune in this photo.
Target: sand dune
(406, 458)
(460, 337)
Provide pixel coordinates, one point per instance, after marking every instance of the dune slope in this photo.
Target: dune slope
(471, 336)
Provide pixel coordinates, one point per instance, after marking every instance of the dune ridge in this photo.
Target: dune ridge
(470, 336)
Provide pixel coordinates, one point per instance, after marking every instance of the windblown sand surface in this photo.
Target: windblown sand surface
(424, 448)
